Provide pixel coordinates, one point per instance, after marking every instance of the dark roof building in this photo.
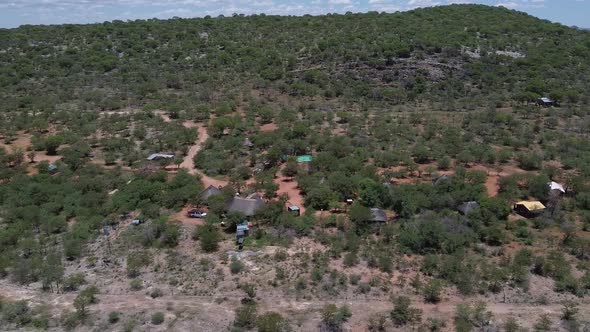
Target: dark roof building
(210, 191)
(467, 207)
(378, 215)
(247, 206)
(544, 101)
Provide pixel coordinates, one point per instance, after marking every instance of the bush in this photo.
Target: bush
(432, 291)
(136, 284)
(114, 317)
(236, 266)
(158, 318)
(17, 313)
(377, 322)
(246, 316)
(135, 261)
(73, 282)
(364, 288)
(333, 317)
(403, 313)
(511, 325)
(249, 289)
(529, 161)
(543, 324)
(155, 293)
(209, 237)
(272, 322)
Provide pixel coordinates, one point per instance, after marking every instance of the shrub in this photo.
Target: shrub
(300, 284)
(236, 266)
(432, 291)
(511, 325)
(158, 318)
(569, 311)
(209, 237)
(350, 259)
(246, 316)
(529, 161)
(543, 324)
(364, 288)
(377, 323)
(17, 313)
(135, 261)
(354, 279)
(281, 255)
(403, 313)
(155, 293)
(249, 289)
(136, 284)
(114, 317)
(272, 322)
(73, 282)
(333, 317)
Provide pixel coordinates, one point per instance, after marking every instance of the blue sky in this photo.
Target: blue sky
(17, 12)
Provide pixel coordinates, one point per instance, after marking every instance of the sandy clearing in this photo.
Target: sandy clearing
(290, 187)
(23, 142)
(181, 216)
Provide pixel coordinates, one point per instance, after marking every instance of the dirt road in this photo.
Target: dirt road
(187, 162)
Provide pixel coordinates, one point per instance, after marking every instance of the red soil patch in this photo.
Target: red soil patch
(181, 216)
(23, 142)
(491, 184)
(268, 127)
(290, 187)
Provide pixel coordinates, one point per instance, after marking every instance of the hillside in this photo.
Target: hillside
(432, 191)
(422, 55)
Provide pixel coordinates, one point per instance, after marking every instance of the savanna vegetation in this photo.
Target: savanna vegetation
(412, 113)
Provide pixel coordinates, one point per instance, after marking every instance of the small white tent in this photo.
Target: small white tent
(556, 186)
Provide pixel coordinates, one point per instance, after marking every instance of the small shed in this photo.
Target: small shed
(294, 210)
(545, 101)
(159, 156)
(52, 168)
(554, 186)
(378, 215)
(467, 207)
(210, 191)
(529, 209)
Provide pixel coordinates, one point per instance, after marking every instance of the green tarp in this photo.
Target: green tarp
(304, 159)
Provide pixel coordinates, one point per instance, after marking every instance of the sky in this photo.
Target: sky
(17, 12)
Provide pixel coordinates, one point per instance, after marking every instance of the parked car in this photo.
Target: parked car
(196, 214)
(137, 222)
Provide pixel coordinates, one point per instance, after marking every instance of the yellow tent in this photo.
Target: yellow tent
(532, 205)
